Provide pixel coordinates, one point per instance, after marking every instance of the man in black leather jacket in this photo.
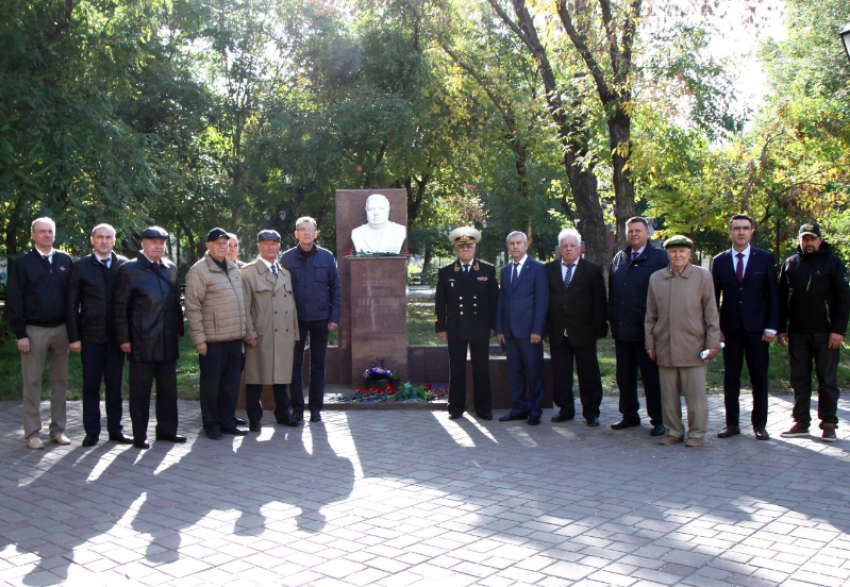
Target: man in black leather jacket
(90, 322)
(148, 322)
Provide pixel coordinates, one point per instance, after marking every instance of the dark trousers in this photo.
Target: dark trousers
(142, 376)
(525, 368)
(318, 332)
(254, 408)
(802, 349)
(631, 357)
(750, 346)
(589, 378)
(479, 353)
(102, 362)
(221, 370)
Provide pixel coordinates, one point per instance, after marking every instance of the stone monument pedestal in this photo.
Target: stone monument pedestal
(378, 315)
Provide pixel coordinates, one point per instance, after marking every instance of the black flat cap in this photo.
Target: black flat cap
(154, 232)
(268, 235)
(217, 233)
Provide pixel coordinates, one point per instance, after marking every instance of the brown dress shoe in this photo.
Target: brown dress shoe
(729, 432)
(693, 442)
(670, 440)
(796, 430)
(828, 432)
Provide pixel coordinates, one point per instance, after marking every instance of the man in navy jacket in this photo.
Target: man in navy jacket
(747, 293)
(520, 326)
(37, 282)
(318, 301)
(628, 285)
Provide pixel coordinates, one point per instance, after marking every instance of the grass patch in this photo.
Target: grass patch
(420, 328)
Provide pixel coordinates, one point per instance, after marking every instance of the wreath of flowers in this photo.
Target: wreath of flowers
(383, 386)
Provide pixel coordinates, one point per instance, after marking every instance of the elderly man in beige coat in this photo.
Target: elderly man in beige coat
(215, 312)
(272, 331)
(682, 333)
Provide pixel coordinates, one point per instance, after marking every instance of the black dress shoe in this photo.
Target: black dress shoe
(485, 417)
(512, 417)
(297, 416)
(729, 432)
(235, 432)
(761, 434)
(171, 438)
(121, 438)
(256, 427)
(625, 423)
(592, 421)
(315, 417)
(290, 422)
(240, 421)
(533, 420)
(455, 416)
(214, 435)
(658, 430)
(562, 418)
(141, 444)
(91, 440)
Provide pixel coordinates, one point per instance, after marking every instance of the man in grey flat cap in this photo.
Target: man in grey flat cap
(148, 323)
(465, 317)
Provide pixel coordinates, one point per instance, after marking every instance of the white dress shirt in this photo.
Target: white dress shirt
(107, 260)
(519, 267)
(564, 266)
(745, 260)
(268, 265)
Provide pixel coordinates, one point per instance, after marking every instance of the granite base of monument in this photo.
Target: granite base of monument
(378, 315)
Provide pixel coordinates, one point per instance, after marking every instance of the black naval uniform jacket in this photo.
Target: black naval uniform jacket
(466, 303)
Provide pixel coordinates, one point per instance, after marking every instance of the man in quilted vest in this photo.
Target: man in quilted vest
(215, 311)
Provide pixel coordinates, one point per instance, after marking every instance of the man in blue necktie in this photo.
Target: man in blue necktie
(628, 284)
(576, 319)
(520, 326)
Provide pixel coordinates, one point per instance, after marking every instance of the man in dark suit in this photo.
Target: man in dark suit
(148, 323)
(628, 285)
(520, 326)
(465, 316)
(747, 293)
(90, 322)
(577, 318)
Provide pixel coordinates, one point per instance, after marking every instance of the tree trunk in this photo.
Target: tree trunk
(192, 255)
(619, 132)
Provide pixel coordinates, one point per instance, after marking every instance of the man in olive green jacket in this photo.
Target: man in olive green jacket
(215, 311)
(682, 330)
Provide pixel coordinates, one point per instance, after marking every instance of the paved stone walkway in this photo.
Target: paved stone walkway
(411, 498)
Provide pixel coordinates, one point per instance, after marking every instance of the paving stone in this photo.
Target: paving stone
(331, 505)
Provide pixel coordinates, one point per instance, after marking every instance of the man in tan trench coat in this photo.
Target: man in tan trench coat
(682, 332)
(272, 331)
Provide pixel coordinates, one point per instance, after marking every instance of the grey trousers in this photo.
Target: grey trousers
(690, 382)
(45, 344)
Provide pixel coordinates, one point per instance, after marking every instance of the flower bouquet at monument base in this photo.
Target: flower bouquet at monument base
(382, 386)
(377, 375)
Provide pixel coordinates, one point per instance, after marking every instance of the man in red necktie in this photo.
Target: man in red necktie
(747, 293)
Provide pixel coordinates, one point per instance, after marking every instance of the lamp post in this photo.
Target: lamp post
(845, 38)
(268, 216)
